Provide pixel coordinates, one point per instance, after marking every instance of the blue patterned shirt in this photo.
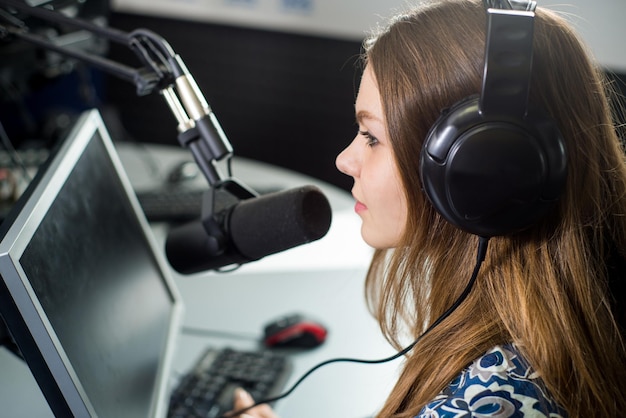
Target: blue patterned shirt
(498, 384)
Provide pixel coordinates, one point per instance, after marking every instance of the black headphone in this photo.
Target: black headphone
(489, 165)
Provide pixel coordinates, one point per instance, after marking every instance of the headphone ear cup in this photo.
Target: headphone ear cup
(492, 176)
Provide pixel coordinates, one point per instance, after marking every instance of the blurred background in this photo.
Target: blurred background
(280, 75)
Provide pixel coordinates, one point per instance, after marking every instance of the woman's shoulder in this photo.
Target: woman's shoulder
(499, 383)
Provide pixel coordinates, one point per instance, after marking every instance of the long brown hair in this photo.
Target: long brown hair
(545, 289)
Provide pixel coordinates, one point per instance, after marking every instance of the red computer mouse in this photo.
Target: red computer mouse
(294, 331)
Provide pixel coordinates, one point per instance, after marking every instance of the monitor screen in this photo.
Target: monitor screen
(85, 294)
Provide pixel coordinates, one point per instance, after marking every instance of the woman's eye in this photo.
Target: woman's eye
(371, 141)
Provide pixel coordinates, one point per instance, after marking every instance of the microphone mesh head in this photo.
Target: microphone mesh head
(278, 221)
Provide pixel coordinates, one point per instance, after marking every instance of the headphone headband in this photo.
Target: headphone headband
(508, 62)
(525, 5)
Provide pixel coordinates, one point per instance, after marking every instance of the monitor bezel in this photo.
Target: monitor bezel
(19, 305)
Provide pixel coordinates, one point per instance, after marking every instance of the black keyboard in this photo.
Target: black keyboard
(207, 390)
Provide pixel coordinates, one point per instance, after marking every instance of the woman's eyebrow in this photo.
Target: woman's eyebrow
(366, 115)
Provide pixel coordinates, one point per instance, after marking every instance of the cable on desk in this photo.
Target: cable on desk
(482, 251)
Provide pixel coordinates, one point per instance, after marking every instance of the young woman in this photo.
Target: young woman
(539, 333)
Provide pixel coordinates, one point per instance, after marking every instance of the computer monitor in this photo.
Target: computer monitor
(85, 293)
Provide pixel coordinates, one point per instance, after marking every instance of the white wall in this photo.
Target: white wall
(602, 23)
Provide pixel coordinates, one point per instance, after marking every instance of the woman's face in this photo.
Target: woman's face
(380, 200)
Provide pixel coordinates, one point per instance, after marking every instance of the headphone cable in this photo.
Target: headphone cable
(483, 244)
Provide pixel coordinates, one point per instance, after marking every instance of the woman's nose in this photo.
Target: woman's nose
(347, 161)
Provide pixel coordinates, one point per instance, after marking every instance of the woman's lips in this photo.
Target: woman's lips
(359, 207)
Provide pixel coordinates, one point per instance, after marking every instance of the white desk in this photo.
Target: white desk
(323, 279)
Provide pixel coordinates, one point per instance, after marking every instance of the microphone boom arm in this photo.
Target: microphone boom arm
(163, 71)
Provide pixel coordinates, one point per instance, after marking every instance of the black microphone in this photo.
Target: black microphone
(251, 229)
